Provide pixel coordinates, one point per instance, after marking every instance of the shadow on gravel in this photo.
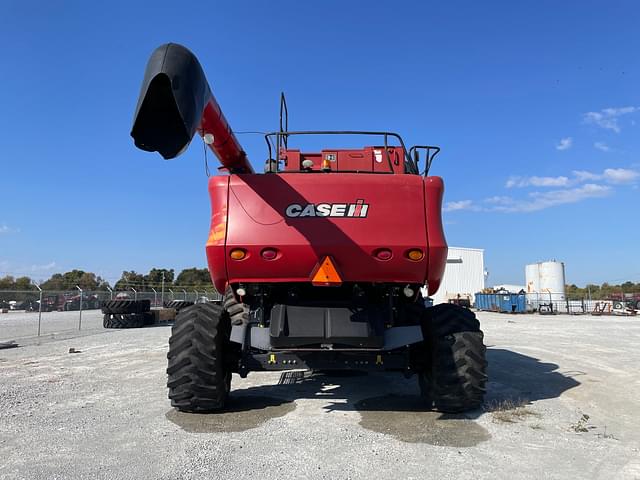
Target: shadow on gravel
(518, 378)
(243, 413)
(406, 418)
(387, 403)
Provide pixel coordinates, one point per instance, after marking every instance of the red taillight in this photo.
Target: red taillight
(383, 254)
(269, 254)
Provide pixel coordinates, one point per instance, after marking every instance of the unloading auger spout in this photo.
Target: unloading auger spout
(176, 102)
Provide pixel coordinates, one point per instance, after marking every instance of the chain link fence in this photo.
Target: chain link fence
(27, 313)
(550, 303)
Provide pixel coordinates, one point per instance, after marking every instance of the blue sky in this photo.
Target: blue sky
(536, 107)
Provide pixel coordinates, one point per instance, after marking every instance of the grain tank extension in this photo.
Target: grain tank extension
(320, 258)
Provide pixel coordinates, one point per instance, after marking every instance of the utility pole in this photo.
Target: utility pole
(39, 307)
(162, 292)
(80, 318)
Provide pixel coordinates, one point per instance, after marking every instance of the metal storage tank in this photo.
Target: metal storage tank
(552, 279)
(545, 284)
(532, 278)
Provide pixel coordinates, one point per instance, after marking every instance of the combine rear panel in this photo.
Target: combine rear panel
(367, 223)
(321, 259)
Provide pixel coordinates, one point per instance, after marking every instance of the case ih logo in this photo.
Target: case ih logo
(354, 210)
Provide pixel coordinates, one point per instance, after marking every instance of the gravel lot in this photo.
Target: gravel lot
(562, 403)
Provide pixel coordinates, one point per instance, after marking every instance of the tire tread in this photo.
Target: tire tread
(198, 379)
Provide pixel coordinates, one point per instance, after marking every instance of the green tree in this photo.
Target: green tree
(130, 279)
(154, 276)
(24, 283)
(69, 280)
(55, 282)
(194, 277)
(7, 283)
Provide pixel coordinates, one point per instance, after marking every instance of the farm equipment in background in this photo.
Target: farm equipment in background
(64, 302)
(461, 301)
(622, 301)
(53, 303)
(321, 258)
(72, 302)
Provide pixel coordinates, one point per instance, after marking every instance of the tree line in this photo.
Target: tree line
(196, 278)
(155, 278)
(601, 292)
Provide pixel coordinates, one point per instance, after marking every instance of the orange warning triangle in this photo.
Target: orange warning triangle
(326, 274)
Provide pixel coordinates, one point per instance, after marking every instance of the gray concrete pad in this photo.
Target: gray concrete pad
(562, 403)
(22, 327)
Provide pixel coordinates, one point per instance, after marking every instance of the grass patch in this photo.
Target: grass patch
(510, 410)
(582, 425)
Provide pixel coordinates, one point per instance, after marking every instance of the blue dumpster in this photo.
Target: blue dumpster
(505, 302)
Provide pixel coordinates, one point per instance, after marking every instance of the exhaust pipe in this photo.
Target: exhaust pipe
(175, 102)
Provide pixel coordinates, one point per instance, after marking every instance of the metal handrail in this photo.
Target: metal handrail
(410, 166)
(413, 153)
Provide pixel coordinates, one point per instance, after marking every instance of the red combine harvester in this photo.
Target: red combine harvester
(321, 258)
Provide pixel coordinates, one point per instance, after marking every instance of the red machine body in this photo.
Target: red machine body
(225, 144)
(320, 261)
(349, 204)
(267, 212)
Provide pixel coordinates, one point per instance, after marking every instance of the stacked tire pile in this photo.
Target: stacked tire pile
(127, 313)
(177, 305)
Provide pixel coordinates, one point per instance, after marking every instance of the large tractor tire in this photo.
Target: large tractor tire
(199, 373)
(125, 320)
(238, 312)
(149, 318)
(454, 376)
(125, 306)
(178, 304)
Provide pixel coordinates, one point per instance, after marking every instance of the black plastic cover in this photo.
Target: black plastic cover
(298, 326)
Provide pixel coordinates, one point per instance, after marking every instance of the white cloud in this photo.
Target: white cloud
(620, 175)
(45, 267)
(601, 146)
(565, 143)
(6, 229)
(581, 185)
(498, 199)
(537, 181)
(459, 205)
(584, 176)
(607, 118)
(610, 175)
(542, 200)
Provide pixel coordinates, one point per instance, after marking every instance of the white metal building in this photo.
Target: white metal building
(510, 287)
(464, 274)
